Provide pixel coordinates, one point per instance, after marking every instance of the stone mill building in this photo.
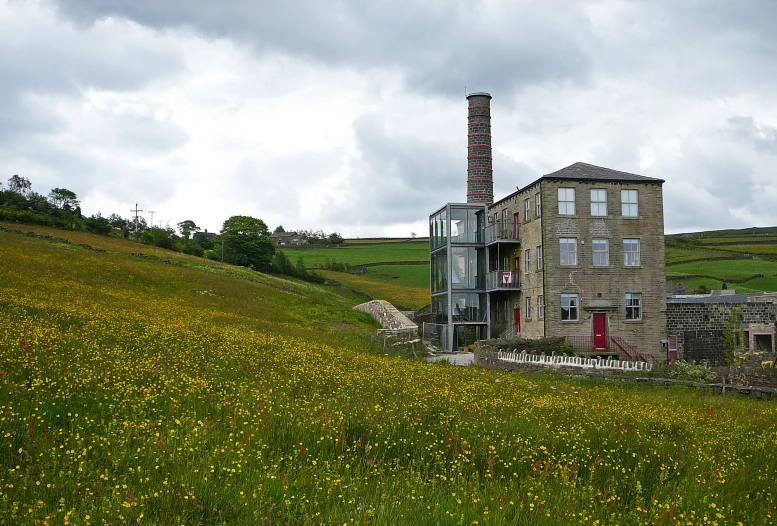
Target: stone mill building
(577, 253)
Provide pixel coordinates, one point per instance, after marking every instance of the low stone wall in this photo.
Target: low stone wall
(394, 323)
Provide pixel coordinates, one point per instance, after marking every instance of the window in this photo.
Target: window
(566, 201)
(539, 257)
(537, 205)
(527, 260)
(629, 205)
(633, 306)
(601, 251)
(569, 307)
(568, 249)
(527, 209)
(504, 216)
(631, 252)
(540, 306)
(528, 307)
(496, 217)
(598, 202)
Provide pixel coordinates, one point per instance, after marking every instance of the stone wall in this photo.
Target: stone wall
(699, 326)
(389, 318)
(603, 288)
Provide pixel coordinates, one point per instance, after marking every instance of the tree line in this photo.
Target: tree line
(243, 240)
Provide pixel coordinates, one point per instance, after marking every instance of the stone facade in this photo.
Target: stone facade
(698, 323)
(601, 289)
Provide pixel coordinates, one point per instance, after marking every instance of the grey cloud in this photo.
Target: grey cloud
(762, 137)
(42, 59)
(402, 179)
(441, 47)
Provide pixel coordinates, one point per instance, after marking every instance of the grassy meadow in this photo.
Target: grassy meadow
(406, 286)
(752, 257)
(398, 285)
(168, 390)
(359, 253)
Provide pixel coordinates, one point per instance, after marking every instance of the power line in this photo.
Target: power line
(136, 210)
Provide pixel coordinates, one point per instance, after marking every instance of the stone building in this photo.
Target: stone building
(695, 323)
(577, 253)
(288, 239)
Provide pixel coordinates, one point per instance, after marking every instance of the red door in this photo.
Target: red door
(516, 225)
(517, 320)
(600, 330)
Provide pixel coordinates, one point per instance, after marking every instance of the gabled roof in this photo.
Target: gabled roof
(586, 172)
(590, 172)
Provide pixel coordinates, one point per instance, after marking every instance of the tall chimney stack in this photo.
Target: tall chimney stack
(480, 173)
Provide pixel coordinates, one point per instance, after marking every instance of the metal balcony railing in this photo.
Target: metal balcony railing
(503, 232)
(503, 280)
(585, 346)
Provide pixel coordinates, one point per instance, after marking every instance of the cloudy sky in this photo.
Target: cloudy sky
(350, 115)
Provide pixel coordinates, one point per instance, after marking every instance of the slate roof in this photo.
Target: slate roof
(585, 172)
(728, 298)
(590, 172)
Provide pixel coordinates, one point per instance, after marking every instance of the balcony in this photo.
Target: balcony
(503, 280)
(502, 233)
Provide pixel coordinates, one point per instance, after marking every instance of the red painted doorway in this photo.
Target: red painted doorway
(600, 330)
(518, 320)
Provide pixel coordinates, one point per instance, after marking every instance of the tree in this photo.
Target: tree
(19, 185)
(246, 242)
(97, 224)
(187, 228)
(279, 230)
(734, 338)
(63, 199)
(159, 237)
(118, 222)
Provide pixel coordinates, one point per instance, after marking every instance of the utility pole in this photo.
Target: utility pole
(152, 212)
(136, 210)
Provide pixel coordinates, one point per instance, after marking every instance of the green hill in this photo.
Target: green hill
(744, 259)
(143, 386)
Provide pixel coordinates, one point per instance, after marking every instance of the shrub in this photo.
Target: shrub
(683, 370)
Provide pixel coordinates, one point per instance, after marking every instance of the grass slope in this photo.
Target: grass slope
(137, 390)
(362, 253)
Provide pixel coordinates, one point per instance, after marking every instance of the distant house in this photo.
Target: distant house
(288, 239)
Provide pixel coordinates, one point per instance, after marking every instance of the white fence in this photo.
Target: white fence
(573, 361)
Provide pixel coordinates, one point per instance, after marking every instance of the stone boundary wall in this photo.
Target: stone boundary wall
(394, 323)
(696, 260)
(759, 392)
(733, 280)
(386, 263)
(699, 326)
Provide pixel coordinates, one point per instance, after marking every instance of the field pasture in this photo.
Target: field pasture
(747, 252)
(406, 285)
(171, 391)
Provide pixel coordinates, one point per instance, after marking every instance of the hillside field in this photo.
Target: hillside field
(171, 390)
